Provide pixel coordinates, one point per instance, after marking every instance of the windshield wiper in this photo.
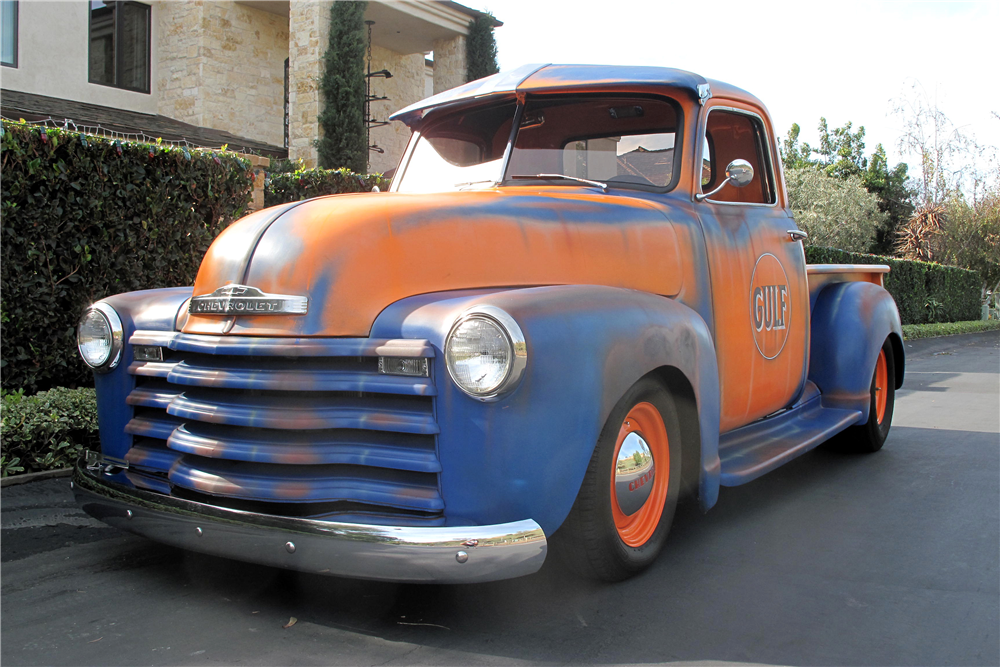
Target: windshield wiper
(467, 183)
(596, 184)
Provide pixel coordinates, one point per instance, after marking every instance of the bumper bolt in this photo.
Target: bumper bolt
(290, 547)
(461, 556)
(199, 531)
(128, 513)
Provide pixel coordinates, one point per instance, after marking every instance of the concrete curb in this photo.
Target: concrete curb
(35, 476)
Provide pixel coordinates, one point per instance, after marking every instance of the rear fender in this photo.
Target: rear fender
(850, 322)
(525, 455)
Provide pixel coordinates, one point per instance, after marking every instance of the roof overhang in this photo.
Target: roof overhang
(412, 26)
(403, 26)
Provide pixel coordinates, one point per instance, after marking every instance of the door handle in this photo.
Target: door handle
(797, 235)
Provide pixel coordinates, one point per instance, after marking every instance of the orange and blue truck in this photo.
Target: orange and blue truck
(583, 297)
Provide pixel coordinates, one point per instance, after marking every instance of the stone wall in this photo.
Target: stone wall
(309, 27)
(404, 88)
(179, 58)
(449, 63)
(221, 65)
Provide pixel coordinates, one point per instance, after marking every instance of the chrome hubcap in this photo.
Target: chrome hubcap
(634, 473)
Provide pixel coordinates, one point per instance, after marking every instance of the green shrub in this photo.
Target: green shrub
(85, 217)
(836, 212)
(46, 431)
(481, 48)
(922, 290)
(914, 331)
(343, 141)
(306, 183)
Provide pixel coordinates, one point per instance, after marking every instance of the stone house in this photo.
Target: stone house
(213, 72)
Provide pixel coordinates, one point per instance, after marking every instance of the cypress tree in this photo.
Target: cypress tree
(344, 143)
(480, 49)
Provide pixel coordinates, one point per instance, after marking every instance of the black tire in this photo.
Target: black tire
(589, 542)
(869, 437)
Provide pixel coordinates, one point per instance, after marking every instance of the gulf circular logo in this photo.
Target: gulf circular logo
(770, 306)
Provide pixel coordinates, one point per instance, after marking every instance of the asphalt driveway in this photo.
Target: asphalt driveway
(883, 559)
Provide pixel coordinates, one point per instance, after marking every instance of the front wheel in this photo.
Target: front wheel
(870, 436)
(626, 504)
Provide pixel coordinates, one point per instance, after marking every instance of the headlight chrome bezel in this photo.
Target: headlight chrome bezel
(117, 346)
(515, 339)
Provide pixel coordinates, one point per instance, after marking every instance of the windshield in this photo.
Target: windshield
(614, 140)
(459, 151)
(620, 140)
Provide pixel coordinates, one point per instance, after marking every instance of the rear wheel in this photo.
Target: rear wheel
(870, 436)
(623, 512)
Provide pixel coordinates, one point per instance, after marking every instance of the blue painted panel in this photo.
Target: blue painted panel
(758, 448)
(525, 455)
(850, 322)
(154, 309)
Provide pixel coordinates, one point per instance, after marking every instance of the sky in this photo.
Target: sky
(846, 61)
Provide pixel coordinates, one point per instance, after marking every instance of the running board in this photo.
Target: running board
(758, 448)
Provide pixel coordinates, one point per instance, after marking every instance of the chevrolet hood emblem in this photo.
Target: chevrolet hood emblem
(247, 300)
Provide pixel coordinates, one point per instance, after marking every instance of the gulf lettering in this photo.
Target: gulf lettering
(770, 307)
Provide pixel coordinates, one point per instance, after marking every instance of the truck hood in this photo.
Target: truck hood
(353, 255)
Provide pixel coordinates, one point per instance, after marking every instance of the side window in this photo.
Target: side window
(120, 45)
(8, 33)
(731, 135)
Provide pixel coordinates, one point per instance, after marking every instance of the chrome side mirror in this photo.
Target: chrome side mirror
(739, 173)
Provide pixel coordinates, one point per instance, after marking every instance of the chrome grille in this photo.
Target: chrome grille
(252, 420)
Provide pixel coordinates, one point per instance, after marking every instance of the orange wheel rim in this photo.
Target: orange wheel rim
(881, 386)
(636, 528)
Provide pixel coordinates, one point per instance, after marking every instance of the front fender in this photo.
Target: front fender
(147, 309)
(526, 454)
(850, 322)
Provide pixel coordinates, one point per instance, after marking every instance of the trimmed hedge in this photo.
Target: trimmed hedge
(924, 291)
(84, 217)
(306, 183)
(46, 431)
(914, 331)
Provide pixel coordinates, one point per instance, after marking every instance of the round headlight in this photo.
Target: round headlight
(99, 337)
(485, 353)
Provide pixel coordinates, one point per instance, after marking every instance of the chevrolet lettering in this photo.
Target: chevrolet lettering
(583, 296)
(237, 299)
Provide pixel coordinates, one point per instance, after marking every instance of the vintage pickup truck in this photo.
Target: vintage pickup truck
(583, 297)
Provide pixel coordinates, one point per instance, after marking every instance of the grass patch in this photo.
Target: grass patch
(914, 331)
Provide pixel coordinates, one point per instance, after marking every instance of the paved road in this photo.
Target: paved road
(833, 559)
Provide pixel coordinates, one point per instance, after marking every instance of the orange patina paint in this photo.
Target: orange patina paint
(354, 255)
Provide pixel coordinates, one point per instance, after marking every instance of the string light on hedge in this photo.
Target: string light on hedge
(130, 138)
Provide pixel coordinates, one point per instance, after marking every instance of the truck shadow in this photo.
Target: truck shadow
(786, 520)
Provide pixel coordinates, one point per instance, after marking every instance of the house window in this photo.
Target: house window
(8, 32)
(119, 45)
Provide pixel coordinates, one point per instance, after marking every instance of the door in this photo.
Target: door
(759, 287)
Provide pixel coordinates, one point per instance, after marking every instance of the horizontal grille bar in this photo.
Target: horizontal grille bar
(151, 455)
(243, 374)
(153, 424)
(156, 369)
(375, 486)
(305, 411)
(154, 394)
(349, 447)
(285, 347)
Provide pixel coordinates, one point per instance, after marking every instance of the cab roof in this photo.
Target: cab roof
(548, 78)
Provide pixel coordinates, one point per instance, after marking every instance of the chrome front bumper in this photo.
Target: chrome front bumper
(466, 554)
